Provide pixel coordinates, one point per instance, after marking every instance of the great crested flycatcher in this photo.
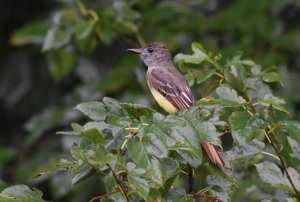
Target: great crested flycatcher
(169, 88)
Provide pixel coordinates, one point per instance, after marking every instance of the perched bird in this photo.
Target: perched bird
(169, 88)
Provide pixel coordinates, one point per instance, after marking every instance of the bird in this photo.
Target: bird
(169, 87)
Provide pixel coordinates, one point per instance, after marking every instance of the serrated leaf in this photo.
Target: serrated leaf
(93, 109)
(295, 147)
(145, 160)
(229, 97)
(175, 195)
(204, 75)
(93, 135)
(137, 110)
(245, 149)
(187, 199)
(270, 100)
(295, 177)
(199, 55)
(137, 183)
(85, 172)
(292, 129)
(220, 187)
(62, 164)
(242, 123)
(139, 154)
(20, 193)
(155, 142)
(270, 173)
(199, 76)
(272, 77)
(183, 140)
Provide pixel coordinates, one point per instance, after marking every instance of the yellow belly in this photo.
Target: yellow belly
(162, 101)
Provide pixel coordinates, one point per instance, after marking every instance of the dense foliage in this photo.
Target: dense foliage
(123, 150)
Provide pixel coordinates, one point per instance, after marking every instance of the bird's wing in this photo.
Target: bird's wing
(173, 86)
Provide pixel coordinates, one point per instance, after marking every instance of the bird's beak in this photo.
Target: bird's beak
(135, 50)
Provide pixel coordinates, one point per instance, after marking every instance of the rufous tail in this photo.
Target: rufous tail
(212, 153)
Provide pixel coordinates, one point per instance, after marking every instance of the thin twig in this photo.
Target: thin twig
(118, 182)
(103, 196)
(191, 178)
(283, 165)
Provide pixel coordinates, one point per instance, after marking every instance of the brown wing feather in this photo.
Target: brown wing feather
(173, 86)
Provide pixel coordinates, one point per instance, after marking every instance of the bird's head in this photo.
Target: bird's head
(153, 53)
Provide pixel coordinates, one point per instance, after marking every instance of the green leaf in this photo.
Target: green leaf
(138, 153)
(137, 110)
(145, 160)
(292, 128)
(245, 149)
(204, 75)
(229, 97)
(93, 135)
(56, 38)
(220, 187)
(184, 140)
(272, 77)
(175, 195)
(294, 174)
(198, 57)
(76, 127)
(187, 199)
(270, 100)
(85, 172)
(61, 62)
(32, 33)
(295, 147)
(154, 140)
(62, 164)
(7, 153)
(243, 124)
(136, 182)
(94, 110)
(84, 29)
(270, 173)
(20, 193)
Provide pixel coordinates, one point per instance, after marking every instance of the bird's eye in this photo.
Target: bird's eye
(150, 50)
